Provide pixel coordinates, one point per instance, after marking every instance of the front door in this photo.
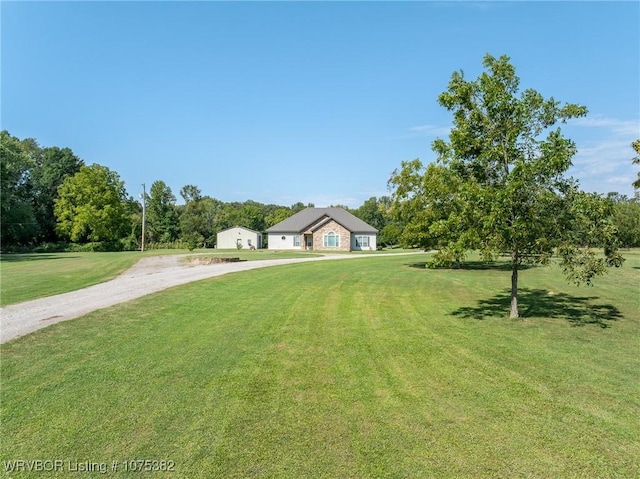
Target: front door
(309, 241)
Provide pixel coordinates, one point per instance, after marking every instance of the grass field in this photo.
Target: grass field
(30, 276)
(371, 367)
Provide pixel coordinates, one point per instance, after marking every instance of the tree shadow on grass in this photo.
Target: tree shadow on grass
(475, 266)
(577, 310)
(419, 265)
(25, 257)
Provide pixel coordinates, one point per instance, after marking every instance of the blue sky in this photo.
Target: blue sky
(318, 102)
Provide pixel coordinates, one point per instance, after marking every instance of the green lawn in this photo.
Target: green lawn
(29, 276)
(371, 367)
(252, 255)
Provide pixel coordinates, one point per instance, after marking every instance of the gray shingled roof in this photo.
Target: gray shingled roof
(307, 217)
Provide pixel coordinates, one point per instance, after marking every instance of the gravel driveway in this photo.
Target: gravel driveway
(149, 275)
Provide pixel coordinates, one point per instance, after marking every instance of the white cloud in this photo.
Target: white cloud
(424, 131)
(620, 180)
(357, 199)
(430, 130)
(617, 127)
(603, 156)
(603, 160)
(322, 201)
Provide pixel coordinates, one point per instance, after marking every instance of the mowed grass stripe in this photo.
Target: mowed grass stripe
(356, 368)
(31, 276)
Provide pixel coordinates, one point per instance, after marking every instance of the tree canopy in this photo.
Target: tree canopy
(53, 165)
(162, 216)
(499, 184)
(91, 206)
(627, 219)
(18, 220)
(636, 160)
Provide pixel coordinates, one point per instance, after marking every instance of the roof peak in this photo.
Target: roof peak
(310, 215)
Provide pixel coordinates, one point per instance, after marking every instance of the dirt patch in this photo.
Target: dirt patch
(214, 260)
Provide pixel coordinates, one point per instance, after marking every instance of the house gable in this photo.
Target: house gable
(305, 219)
(320, 224)
(331, 235)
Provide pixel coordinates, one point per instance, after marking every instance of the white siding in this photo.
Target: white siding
(372, 242)
(276, 242)
(228, 239)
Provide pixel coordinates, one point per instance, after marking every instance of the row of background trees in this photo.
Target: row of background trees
(52, 200)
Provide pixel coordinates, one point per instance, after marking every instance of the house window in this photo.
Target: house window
(296, 241)
(362, 241)
(331, 240)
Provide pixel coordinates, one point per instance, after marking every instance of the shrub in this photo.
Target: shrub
(130, 243)
(193, 240)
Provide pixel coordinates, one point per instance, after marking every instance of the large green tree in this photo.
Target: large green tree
(251, 215)
(377, 212)
(91, 206)
(199, 217)
(52, 166)
(162, 216)
(18, 224)
(627, 219)
(431, 203)
(372, 212)
(190, 193)
(277, 215)
(499, 185)
(299, 206)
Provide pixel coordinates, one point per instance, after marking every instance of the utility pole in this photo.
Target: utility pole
(144, 213)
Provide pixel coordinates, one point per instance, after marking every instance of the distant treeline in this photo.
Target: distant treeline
(52, 201)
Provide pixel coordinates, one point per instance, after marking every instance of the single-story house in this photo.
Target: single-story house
(232, 237)
(322, 229)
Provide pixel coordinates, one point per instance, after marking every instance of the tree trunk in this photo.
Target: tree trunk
(514, 287)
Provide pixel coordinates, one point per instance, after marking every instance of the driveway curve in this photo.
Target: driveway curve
(148, 276)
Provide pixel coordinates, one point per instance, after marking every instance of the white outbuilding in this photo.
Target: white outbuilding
(231, 238)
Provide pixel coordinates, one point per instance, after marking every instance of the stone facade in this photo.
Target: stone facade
(345, 237)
